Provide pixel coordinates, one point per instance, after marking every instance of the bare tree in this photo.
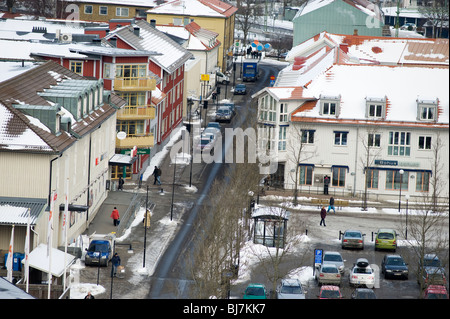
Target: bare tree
(437, 16)
(248, 10)
(370, 141)
(298, 151)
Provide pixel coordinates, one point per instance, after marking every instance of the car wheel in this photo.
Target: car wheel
(224, 82)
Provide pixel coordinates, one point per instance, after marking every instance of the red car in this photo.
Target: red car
(330, 292)
(435, 292)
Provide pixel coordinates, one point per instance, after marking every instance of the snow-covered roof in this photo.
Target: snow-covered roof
(401, 86)
(384, 50)
(204, 8)
(171, 54)
(364, 6)
(38, 259)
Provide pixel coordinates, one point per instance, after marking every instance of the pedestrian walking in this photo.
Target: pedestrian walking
(121, 182)
(331, 206)
(323, 214)
(115, 216)
(115, 261)
(157, 175)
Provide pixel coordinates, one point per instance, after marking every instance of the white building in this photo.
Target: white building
(57, 129)
(352, 105)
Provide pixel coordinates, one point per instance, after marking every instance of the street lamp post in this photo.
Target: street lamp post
(406, 231)
(400, 195)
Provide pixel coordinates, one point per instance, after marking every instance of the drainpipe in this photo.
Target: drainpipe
(50, 180)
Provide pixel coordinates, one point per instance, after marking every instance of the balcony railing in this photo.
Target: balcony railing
(134, 84)
(138, 141)
(141, 112)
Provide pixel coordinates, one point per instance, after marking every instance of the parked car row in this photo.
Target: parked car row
(225, 111)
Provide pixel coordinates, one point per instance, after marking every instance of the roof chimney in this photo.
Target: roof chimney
(136, 31)
(355, 32)
(344, 47)
(153, 23)
(113, 41)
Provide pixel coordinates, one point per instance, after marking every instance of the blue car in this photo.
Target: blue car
(240, 89)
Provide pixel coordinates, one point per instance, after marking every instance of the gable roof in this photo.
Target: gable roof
(21, 132)
(171, 55)
(204, 8)
(364, 6)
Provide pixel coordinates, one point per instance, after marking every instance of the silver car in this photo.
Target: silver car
(328, 274)
(290, 289)
(224, 114)
(352, 239)
(335, 258)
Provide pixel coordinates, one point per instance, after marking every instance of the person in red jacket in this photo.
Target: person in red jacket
(115, 216)
(323, 214)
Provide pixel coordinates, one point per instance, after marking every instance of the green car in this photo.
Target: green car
(255, 291)
(386, 239)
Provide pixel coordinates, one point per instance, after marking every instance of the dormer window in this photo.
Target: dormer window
(375, 108)
(427, 110)
(329, 105)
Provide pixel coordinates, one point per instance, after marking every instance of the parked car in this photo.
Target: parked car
(435, 292)
(224, 114)
(362, 274)
(333, 257)
(290, 289)
(255, 291)
(363, 293)
(214, 125)
(352, 239)
(432, 272)
(330, 292)
(328, 274)
(386, 239)
(229, 103)
(394, 266)
(240, 89)
(205, 143)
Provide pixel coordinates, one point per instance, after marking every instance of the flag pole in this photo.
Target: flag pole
(66, 212)
(9, 262)
(27, 251)
(50, 241)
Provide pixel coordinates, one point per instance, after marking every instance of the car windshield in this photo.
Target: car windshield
(386, 236)
(223, 111)
(437, 296)
(332, 257)
(254, 291)
(432, 262)
(205, 141)
(362, 270)
(352, 235)
(329, 294)
(366, 295)
(98, 247)
(240, 86)
(291, 290)
(395, 262)
(329, 270)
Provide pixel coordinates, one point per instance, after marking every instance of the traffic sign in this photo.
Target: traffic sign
(317, 259)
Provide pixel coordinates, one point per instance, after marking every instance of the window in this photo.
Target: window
(338, 176)
(375, 107)
(88, 9)
(122, 12)
(422, 181)
(103, 10)
(427, 113)
(282, 138)
(372, 178)
(107, 71)
(374, 140)
(375, 110)
(393, 180)
(283, 112)
(424, 142)
(427, 110)
(340, 138)
(177, 21)
(132, 128)
(76, 67)
(329, 108)
(308, 136)
(133, 98)
(305, 174)
(399, 143)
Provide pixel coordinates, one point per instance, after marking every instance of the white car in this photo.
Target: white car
(290, 289)
(362, 274)
(335, 258)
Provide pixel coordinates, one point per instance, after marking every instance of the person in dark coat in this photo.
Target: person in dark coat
(323, 214)
(115, 263)
(156, 174)
(331, 206)
(121, 182)
(89, 296)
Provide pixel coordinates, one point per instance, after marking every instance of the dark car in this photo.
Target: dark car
(394, 266)
(432, 271)
(240, 89)
(363, 293)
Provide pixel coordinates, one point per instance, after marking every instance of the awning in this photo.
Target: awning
(39, 260)
(121, 159)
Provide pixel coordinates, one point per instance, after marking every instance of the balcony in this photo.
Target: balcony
(138, 141)
(134, 84)
(141, 112)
